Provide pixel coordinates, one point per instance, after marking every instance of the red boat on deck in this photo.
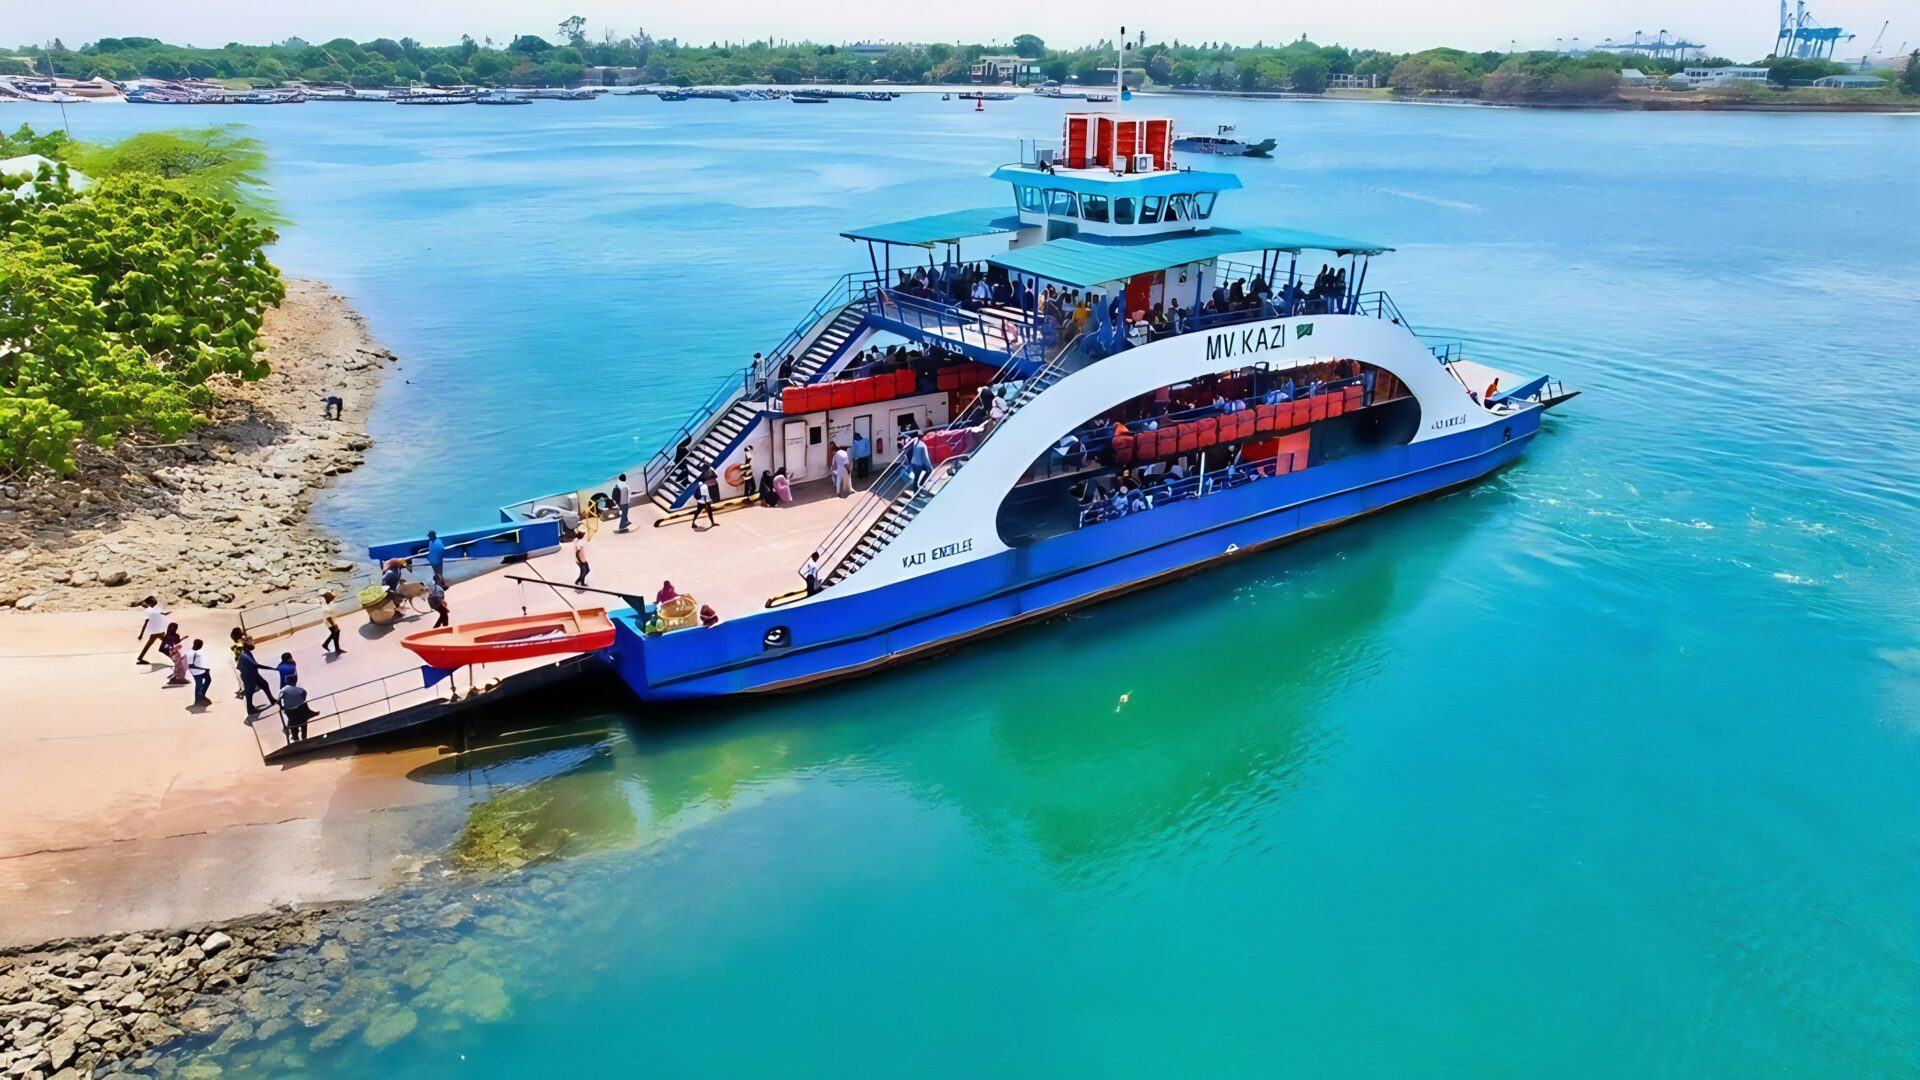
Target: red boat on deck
(517, 638)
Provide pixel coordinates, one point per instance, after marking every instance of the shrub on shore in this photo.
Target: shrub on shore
(119, 303)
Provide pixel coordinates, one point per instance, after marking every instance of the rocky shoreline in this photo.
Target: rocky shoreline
(270, 993)
(71, 1008)
(218, 519)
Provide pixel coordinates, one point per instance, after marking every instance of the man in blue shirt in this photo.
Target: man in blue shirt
(436, 551)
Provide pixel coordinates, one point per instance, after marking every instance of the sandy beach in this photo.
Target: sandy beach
(119, 816)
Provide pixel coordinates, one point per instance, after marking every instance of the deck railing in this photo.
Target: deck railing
(299, 610)
(1201, 484)
(338, 709)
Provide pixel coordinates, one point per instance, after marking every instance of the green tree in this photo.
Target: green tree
(213, 163)
(269, 68)
(443, 75)
(1029, 46)
(529, 44)
(1910, 75)
(118, 307)
(372, 75)
(1309, 74)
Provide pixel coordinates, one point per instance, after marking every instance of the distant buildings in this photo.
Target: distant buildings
(610, 76)
(1633, 77)
(1722, 76)
(1004, 69)
(1850, 82)
(1352, 82)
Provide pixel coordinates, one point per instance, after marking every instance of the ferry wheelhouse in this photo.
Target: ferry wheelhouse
(1081, 392)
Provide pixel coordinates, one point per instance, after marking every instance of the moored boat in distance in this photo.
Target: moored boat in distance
(985, 95)
(436, 97)
(1223, 143)
(799, 97)
(518, 637)
(502, 97)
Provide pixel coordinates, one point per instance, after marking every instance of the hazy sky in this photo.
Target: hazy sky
(1742, 29)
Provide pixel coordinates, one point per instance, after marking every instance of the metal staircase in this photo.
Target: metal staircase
(718, 439)
(906, 503)
(827, 347)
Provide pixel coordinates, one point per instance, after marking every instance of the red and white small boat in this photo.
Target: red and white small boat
(516, 638)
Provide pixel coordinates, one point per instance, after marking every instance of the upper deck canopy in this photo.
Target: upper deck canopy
(1086, 261)
(1105, 182)
(947, 228)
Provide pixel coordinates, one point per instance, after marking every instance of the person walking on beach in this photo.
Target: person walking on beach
(703, 502)
(622, 498)
(251, 680)
(437, 600)
(332, 643)
(580, 559)
(436, 552)
(294, 712)
(197, 668)
(153, 627)
(238, 639)
(177, 649)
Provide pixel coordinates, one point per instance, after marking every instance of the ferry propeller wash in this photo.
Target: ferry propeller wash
(1023, 409)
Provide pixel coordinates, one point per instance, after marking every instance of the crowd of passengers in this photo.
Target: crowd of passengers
(1071, 312)
(1130, 491)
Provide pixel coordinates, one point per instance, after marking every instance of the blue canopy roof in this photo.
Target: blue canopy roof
(940, 228)
(1085, 261)
(1140, 184)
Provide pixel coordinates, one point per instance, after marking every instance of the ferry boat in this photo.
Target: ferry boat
(1089, 389)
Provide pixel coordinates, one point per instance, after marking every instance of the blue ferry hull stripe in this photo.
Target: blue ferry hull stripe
(840, 636)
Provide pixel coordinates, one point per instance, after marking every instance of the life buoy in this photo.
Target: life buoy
(735, 476)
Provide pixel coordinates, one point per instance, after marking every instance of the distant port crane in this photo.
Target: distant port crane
(1661, 46)
(1802, 38)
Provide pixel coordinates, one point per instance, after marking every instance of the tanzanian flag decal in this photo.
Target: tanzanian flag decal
(1305, 329)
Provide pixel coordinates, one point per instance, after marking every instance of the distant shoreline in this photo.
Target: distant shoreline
(1630, 101)
(1663, 102)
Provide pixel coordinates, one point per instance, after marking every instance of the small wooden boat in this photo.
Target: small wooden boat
(799, 98)
(517, 638)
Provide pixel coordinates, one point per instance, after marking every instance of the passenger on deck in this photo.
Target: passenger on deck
(810, 573)
(709, 618)
(782, 487)
(667, 592)
(842, 470)
(1493, 391)
(288, 671)
(862, 456)
(767, 496)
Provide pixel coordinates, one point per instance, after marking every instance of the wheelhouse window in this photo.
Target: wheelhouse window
(1031, 199)
(1150, 209)
(1123, 211)
(1093, 207)
(1203, 204)
(1062, 204)
(1179, 208)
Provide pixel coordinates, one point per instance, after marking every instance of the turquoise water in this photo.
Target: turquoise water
(1607, 767)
